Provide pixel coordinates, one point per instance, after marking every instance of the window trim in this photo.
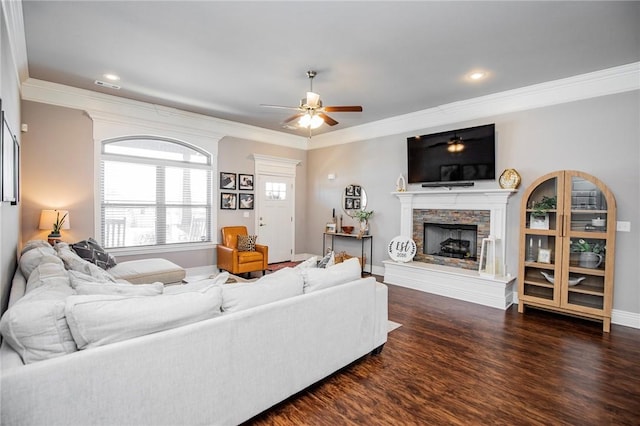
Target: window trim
(163, 163)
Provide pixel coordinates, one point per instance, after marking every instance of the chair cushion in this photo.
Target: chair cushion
(147, 271)
(249, 256)
(247, 242)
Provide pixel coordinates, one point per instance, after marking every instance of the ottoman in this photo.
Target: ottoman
(146, 271)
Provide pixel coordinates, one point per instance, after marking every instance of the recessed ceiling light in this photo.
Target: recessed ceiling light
(111, 77)
(477, 75)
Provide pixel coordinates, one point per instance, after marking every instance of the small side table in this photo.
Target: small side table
(362, 238)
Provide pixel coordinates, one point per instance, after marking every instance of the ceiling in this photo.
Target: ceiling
(225, 58)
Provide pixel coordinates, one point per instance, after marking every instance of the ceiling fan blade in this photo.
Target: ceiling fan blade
(293, 117)
(345, 108)
(279, 106)
(328, 120)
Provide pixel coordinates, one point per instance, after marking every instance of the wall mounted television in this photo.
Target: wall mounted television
(456, 156)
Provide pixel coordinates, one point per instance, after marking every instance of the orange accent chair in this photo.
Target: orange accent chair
(240, 262)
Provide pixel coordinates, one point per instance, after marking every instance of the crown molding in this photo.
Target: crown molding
(599, 83)
(610, 81)
(103, 105)
(14, 21)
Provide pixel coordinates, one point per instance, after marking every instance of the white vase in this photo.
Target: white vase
(364, 227)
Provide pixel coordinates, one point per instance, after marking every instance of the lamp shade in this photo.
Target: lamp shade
(49, 217)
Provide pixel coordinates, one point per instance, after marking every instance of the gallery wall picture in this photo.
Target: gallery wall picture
(246, 181)
(246, 201)
(228, 200)
(227, 180)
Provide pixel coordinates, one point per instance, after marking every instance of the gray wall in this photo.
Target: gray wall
(599, 136)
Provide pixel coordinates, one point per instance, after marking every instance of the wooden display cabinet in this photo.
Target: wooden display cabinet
(553, 272)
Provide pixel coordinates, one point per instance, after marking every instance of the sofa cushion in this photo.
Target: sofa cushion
(93, 252)
(98, 320)
(320, 278)
(31, 244)
(145, 271)
(281, 284)
(312, 262)
(85, 284)
(75, 263)
(247, 242)
(202, 285)
(33, 257)
(35, 326)
(50, 270)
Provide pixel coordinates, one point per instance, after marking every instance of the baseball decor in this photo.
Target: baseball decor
(402, 249)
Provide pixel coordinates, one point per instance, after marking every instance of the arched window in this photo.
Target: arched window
(154, 191)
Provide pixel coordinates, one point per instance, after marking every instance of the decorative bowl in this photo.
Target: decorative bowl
(572, 281)
(347, 229)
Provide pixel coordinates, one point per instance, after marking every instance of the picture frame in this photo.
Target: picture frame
(348, 203)
(245, 182)
(246, 200)
(228, 200)
(330, 228)
(228, 180)
(10, 161)
(544, 255)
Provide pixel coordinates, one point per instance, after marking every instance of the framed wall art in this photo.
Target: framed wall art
(227, 180)
(228, 200)
(246, 201)
(245, 182)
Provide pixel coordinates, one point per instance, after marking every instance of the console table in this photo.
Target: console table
(339, 235)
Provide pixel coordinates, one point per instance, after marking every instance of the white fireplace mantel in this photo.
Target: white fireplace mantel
(452, 282)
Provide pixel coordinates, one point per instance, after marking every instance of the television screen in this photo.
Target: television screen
(452, 156)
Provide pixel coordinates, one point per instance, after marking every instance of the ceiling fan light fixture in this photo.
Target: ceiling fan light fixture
(310, 121)
(313, 100)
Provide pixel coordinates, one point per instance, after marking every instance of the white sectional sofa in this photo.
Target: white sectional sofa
(261, 343)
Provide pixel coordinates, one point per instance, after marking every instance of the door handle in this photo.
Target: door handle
(262, 224)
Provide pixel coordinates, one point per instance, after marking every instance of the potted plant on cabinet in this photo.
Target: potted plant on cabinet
(591, 253)
(540, 212)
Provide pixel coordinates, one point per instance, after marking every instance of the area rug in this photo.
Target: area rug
(277, 266)
(392, 325)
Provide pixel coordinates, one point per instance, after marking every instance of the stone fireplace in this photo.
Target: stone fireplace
(448, 227)
(450, 237)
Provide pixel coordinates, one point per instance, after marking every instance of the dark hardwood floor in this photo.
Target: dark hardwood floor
(457, 363)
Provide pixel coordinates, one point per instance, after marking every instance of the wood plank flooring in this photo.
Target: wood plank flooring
(457, 363)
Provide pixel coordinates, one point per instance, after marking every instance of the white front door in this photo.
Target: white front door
(275, 213)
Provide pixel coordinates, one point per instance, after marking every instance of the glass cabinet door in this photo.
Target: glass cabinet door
(541, 242)
(586, 234)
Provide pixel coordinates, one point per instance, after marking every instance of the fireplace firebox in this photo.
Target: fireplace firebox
(457, 241)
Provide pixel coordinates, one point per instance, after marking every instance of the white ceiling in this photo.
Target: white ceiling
(225, 58)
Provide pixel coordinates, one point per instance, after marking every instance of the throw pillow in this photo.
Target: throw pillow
(73, 262)
(327, 261)
(280, 285)
(93, 252)
(317, 279)
(247, 242)
(312, 262)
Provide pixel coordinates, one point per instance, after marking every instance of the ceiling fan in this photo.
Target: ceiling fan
(311, 113)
